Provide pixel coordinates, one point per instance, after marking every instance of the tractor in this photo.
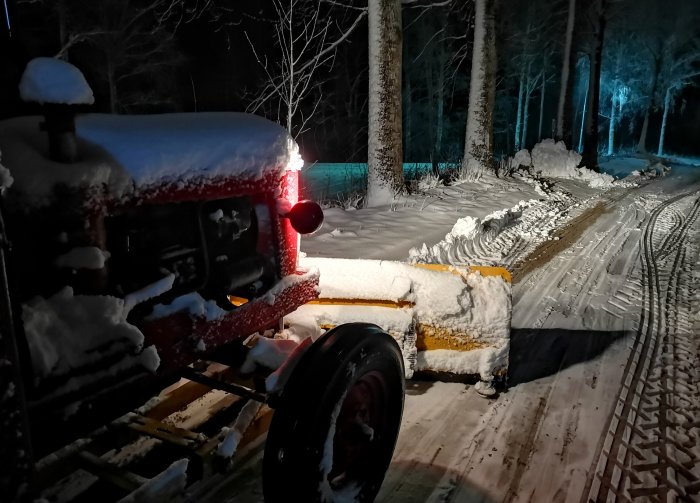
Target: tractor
(140, 254)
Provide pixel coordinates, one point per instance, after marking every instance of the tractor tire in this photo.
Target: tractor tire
(334, 429)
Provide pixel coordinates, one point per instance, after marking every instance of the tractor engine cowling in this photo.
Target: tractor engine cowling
(211, 247)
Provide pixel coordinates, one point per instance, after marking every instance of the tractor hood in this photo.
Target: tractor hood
(130, 154)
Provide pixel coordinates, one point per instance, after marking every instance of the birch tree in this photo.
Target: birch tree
(545, 76)
(680, 62)
(384, 153)
(305, 45)
(478, 145)
(682, 72)
(623, 87)
(667, 36)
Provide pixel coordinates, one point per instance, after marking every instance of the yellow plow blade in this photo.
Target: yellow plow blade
(446, 318)
(484, 270)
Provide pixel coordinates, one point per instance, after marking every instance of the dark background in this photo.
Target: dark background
(208, 64)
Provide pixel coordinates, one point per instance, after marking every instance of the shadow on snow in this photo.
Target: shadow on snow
(537, 353)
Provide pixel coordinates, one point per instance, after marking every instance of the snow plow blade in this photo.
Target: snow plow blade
(453, 319)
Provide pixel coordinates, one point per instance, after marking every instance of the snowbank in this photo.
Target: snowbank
(51, 80)
(503, 234)
(552, 159)
(130, 153)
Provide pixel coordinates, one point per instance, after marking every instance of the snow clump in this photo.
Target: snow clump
(51, 80)
(83, 257)
(68, 331)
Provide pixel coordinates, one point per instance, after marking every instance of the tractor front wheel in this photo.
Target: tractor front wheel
(335, 427)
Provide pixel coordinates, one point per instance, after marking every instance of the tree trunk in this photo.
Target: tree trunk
(384, 156)
(564, 130)
(408, 134)
(478, 145)
(526, 109)
(431, 111)
(519, 116)
(590, 143)
(439, 113)
(611, 126)
(642, 143)
(664, 121)
(543, 87)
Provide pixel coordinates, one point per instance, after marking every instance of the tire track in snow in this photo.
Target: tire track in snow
(637, 457)
(565, 237)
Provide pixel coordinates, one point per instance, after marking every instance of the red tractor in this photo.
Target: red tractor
(136, 251)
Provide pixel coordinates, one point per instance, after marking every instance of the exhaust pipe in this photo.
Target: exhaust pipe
(59, 123)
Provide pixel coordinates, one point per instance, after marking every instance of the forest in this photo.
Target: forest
(604, 76)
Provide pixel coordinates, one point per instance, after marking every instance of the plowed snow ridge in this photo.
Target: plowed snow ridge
(501, 238)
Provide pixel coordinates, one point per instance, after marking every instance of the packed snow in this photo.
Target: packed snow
(52, 80)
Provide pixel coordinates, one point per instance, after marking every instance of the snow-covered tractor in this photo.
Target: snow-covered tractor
(157, 318)
(139, 250)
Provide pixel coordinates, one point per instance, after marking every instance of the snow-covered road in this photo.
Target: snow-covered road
(603, 398)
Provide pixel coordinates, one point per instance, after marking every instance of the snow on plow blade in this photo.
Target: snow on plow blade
(445, 318)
